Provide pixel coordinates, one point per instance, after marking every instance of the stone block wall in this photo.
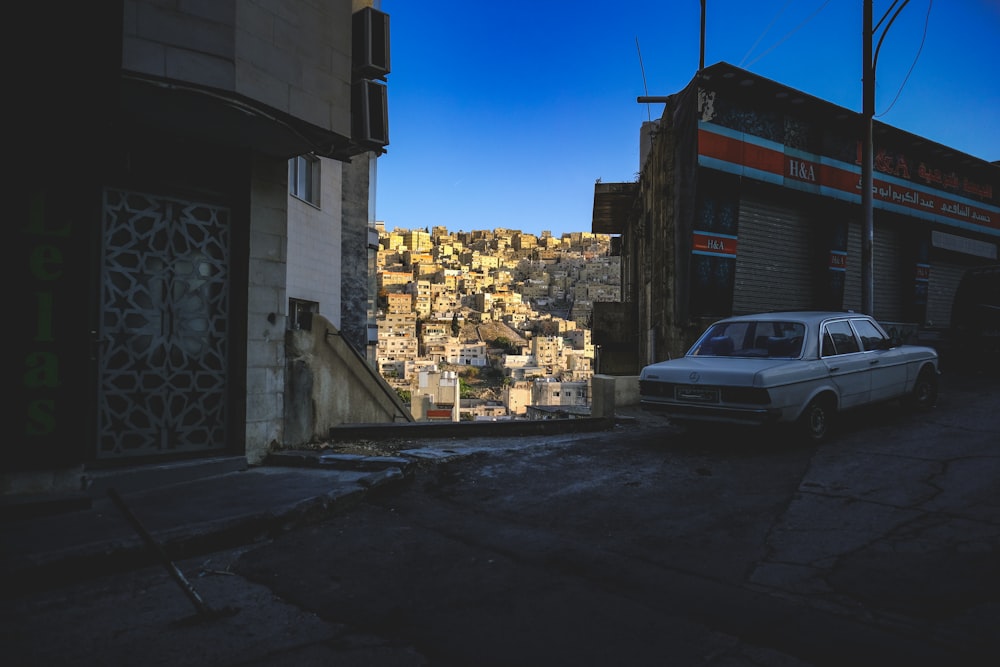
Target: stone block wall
(266, 307)
(292, 56)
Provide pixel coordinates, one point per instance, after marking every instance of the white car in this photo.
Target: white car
(799, 368)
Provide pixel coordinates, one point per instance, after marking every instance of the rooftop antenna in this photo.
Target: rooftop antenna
(643, 70)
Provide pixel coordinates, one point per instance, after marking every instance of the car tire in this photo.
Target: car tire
(924, 394)
(815, 421)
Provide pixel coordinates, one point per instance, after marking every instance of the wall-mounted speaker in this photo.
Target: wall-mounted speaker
(370, 42)
(369, 113)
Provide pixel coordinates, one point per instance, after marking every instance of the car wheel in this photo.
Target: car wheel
(814, 424)
(924, 395)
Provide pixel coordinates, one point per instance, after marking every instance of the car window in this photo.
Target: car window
(716, 343)
(780, 339)
(752, 339)
(721, 340)
(838, 338)
(871, 337)
(829, 349)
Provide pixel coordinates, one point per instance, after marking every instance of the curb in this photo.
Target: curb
(59, 565)
(469, 430)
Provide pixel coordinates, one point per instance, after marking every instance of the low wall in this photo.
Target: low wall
(610, 391)
(329, 384)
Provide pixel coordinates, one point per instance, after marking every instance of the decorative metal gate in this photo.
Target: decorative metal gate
(163, 328)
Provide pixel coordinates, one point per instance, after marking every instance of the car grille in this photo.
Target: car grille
(704, 394)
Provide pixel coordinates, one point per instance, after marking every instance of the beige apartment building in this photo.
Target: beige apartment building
(421, 291)
(517, 397)
(394, 279)
(547, 351)
(397, 336)
(466, 353)
(417, 240)
(398, 303)
(551, 393)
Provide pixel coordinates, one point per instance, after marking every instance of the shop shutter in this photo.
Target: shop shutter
(852, 279)
(890, 276)
(941, 289)
(774, 264)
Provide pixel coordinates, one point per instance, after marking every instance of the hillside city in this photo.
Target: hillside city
(501, 318)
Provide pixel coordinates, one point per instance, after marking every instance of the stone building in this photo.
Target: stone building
(192, 207)
(552, 393)
(749, 200)
(397, 337)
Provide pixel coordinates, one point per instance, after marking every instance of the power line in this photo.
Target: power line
(899, 92)
(790, 33)
(766, 30)
(643, 70)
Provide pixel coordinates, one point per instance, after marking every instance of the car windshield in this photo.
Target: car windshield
(768, 339)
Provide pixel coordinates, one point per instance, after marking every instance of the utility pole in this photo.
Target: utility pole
(701, 57)
(868, 150)
(868, 111)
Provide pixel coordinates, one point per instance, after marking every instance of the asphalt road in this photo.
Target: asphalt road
(641, 546)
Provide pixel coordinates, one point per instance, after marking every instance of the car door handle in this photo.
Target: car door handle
(873, 362)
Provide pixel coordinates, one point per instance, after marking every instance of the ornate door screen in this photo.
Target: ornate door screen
(163, 328)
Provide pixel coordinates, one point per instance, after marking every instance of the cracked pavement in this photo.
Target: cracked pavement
(643, 546)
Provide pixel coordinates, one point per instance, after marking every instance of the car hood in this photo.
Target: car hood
(714, 370)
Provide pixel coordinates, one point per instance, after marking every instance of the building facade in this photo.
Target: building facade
(193, 190)
(749, 200)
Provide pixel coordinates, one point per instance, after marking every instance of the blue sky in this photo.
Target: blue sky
(503, 113)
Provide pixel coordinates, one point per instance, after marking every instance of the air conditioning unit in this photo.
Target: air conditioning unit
(369, 114)
(370, 39)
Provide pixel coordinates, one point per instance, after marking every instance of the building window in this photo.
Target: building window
(300, 313)
(303, 178)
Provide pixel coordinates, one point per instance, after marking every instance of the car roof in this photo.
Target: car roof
(806, 316)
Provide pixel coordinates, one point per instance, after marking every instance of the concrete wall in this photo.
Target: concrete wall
(610, 391)
(357, 282)
(193, 42)
(314, 244)
(292, 56)
(266, 307)
(331, 385)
